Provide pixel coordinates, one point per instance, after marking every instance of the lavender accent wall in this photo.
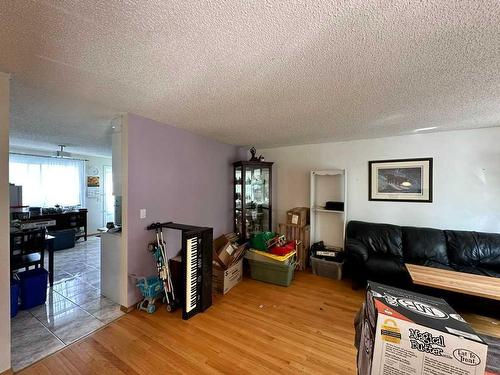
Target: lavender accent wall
(176, 176)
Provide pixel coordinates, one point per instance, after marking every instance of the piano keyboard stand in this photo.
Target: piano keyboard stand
(196, 259)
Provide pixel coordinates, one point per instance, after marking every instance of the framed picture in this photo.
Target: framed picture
(93, 181)
(404, 180)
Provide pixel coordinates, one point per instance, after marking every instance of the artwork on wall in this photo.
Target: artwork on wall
(93, 186)
(405, 180)
(93, 181)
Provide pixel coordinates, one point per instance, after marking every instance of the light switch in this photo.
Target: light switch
(143, 213)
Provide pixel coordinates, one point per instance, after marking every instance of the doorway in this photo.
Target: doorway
(108, 201)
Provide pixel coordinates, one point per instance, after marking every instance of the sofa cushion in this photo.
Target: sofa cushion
(356, 249)
(472, 249)
(422, 245)
(382, 239)
(468, 269)
(388, 269)
(477, 270)
(489, 271)
(462, 249)
(489, 250)
(430, 263)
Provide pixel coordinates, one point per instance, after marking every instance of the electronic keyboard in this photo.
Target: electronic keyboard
(196, 259)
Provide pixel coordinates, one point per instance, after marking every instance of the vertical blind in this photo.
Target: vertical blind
(48, 181)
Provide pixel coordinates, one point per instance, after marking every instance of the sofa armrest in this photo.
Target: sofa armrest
(357, 250)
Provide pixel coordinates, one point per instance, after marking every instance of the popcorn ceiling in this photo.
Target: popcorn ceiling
(253, 72)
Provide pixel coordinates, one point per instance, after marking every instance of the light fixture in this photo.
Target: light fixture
(425, 129)
(116, 123)
(61, 153)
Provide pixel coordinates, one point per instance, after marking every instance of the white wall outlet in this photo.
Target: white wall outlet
(142, 213)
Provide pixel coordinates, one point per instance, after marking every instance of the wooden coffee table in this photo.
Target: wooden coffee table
(466, 283)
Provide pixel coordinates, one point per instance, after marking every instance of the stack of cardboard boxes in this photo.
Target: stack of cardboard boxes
(227, 263)
(297, 229)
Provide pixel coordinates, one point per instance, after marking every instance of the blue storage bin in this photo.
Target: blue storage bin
(14, 298)
(33, 287)
(64, 239)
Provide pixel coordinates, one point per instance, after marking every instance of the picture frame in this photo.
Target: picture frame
(93, 181)
(400, 180)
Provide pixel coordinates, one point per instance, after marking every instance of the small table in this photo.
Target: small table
(461, 282)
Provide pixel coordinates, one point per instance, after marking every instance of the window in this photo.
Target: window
(48, 181)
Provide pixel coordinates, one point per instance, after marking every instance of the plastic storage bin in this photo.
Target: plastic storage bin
(14, 297)
(33, 287)
(262, 256)
(327, 268)
(279, 274)
(64, 239)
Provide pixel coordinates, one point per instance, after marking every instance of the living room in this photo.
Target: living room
(382, 92)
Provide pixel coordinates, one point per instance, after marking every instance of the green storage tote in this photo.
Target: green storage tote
(279, 274)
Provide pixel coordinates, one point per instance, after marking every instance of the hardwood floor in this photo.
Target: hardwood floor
(483, 325)
(257, 328)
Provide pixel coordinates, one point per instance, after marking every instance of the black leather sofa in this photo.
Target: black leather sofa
(378, 252)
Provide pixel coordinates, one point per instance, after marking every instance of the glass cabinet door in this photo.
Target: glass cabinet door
(238, 195)
(252, 198)
(256, 199)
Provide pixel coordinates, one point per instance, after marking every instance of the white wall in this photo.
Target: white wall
(466, 178)
(4, 226)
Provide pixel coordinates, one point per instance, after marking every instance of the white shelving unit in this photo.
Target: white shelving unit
(328, 225)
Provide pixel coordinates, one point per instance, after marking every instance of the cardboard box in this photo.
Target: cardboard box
(224, 251)
(224, 280)
(227, 251)
(225, 254)
(409, 333)
(298, 216)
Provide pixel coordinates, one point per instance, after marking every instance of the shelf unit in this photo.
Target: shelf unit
(328, 225)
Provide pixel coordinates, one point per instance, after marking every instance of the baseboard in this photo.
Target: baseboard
(7, 372)
(125, 309)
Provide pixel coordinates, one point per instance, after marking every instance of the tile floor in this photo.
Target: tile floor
(74, 306)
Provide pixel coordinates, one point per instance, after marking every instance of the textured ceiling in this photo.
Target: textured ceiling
(41, 120)
(265, 72)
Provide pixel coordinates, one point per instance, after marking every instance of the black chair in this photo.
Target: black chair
(27, 249)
